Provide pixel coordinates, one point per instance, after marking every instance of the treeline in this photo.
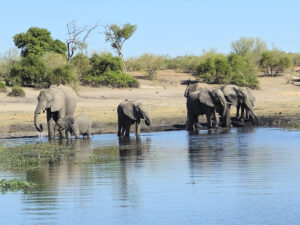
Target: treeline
(248, 58)
(44, 61)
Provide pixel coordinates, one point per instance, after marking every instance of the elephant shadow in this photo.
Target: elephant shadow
(133, 148)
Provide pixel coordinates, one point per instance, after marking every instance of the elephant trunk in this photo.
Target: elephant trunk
(224, 104)
(251, 111)
(39, 127)
(39, 108)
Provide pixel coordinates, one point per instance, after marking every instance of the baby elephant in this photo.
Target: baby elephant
(130, 112)
(75, 125)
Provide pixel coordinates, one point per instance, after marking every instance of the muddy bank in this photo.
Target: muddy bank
(170, 124)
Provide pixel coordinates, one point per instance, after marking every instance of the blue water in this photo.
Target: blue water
(239, 176)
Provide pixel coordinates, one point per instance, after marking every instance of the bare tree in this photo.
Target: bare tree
(77, 37)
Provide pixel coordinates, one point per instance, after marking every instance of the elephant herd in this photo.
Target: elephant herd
(59, 103)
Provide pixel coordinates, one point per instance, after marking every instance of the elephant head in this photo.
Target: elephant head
(247, 100)
(51, 99)
(136, 111)
(190, 88)
(66, 122)
(213, 98)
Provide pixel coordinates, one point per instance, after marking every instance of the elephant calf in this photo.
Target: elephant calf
(130, 112)
(75, 125)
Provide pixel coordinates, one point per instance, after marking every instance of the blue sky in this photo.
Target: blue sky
(163, 27)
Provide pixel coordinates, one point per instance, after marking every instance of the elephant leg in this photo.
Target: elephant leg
(50, 125)
(67, 134)
(190, 122)
(243, 112)
(208, 119)
(238, 110)
(137, 128)
(227, 116)
(216, 119)
(127, 130)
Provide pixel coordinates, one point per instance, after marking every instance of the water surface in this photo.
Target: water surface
(239, 176)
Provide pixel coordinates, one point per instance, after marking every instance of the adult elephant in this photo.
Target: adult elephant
(237, 96)
(204, 101)
(58, 102)
(130, 112)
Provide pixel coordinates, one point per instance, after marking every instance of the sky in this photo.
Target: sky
(164, 27)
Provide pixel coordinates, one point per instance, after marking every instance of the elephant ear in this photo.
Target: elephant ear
(129, 109)
(205, 97)
(71, 119)
(58, 100)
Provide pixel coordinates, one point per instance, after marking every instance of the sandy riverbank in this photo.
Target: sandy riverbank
(277, 104)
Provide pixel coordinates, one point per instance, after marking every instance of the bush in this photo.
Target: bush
(215, 69)
(112, 78)
(105, 62)
(17, 91)
(3, 87)
(62, 75)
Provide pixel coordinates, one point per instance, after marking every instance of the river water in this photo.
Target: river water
(238, 176)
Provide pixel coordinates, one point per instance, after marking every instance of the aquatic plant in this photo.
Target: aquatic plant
(17, 185)
(28, 157)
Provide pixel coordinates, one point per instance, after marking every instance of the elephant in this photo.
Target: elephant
(202, 101)
(243, 108)
(59, 101)
(130, 112)
(238, 97)
(75, 125)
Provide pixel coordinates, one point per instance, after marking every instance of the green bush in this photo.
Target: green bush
(112, 78)
(3, 87)
(62, 75)
(214, 69)
(17, 91)
(105, 62)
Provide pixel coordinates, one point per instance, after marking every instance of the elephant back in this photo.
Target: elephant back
(70, 98)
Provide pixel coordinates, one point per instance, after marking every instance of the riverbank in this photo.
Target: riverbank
(277, 105)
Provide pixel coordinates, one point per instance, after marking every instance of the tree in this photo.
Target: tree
(249, 47)
(274, 62)
(117, 36)
(37, 41)
(77, 37)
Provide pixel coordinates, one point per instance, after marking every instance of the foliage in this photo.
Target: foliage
(17, 91)
(246, 46)
(37, 41)
(105, 62)
(3, 87)
(81, 64)
(17, 185)
(274, 62)
(10, 57)
(117, 35)
(232, 69)
(27, 157)
(112, 78)
(295, 57)
(214, 69)
(62, 75)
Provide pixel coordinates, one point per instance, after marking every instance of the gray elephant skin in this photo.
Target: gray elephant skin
(79, 125)
(243, 108)
(204, 101)
(130, 112)
(238, 97)
(58, 102)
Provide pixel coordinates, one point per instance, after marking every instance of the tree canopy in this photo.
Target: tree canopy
(37, 41)
(117, 35)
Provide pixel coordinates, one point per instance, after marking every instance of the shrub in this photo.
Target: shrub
(81, 65)
(101, 63)
(17, 91)
(214, 69)
(3, 87)
(62, 75)
(112, 78)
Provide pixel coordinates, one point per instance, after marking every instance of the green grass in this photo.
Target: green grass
(28, 157)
